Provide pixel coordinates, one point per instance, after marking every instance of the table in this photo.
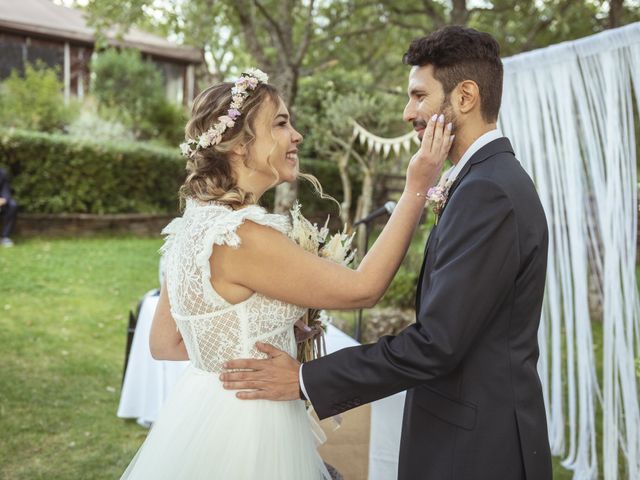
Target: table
(147, 381)
(386, 420)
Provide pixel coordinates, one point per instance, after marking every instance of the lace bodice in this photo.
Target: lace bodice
(214, 330)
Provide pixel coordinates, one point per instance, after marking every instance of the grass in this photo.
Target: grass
(63, 315)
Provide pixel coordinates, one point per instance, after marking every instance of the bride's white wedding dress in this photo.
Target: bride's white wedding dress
(204, 431)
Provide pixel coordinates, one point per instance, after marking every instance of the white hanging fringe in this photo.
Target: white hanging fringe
(568, 110)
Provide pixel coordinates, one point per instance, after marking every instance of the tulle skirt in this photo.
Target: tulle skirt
(205, 432)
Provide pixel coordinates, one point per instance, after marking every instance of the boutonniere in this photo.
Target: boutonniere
(437, 196)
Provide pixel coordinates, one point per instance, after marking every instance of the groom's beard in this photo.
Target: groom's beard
(447, 110)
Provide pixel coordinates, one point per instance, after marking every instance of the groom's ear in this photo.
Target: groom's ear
(468, 96)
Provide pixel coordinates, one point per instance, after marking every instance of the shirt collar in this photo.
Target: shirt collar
(480, 142)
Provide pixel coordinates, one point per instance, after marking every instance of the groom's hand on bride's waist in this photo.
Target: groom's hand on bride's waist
(273, 378)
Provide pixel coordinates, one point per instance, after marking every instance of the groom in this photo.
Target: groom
(474, 406)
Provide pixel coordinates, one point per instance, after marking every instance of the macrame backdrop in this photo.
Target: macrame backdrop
(569, 112)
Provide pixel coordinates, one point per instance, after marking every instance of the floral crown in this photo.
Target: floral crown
(243, 86)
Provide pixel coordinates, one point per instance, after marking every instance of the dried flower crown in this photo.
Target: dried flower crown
(243, 86)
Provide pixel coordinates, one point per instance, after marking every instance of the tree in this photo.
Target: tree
(123, 82)
(518, 26)
(620, 15)
(330, 102)
(299, 39)
(34, 101)
(615, 12)
(130, 89)
(277, 34)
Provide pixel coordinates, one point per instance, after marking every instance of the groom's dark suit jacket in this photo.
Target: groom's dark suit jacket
(474, 406)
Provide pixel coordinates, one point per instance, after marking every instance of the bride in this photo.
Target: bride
(233, 277)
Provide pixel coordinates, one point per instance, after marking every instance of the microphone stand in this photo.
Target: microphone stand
(358, 333)
(387, 209)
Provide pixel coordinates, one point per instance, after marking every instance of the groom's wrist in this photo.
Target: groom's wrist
(301, 390)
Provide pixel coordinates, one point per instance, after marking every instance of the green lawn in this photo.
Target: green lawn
(63, 315)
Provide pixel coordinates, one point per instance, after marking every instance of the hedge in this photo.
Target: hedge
(56, 173)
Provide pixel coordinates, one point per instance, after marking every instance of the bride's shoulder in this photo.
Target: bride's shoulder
(258, 215)
(256, 225)
(223, 225)
(251, 231)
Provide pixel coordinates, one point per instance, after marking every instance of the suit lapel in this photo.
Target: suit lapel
(424, 264)
(499, 145)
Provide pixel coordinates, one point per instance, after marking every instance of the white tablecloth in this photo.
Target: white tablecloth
(147, 382)
(384, 443)
(386, 420)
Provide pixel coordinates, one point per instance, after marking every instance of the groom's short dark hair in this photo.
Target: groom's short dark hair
(458, 54)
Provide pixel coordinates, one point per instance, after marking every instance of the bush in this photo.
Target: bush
(35, 101)
(166, 122)
(122, 81)
(402, 291)
(131, 90)
(90, 125)
(54, 173)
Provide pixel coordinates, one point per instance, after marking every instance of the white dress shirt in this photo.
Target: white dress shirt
(452, 174)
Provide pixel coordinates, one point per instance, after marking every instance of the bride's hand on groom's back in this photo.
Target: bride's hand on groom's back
(425, 165)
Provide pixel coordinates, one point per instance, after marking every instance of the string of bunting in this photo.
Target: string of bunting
(385, 145)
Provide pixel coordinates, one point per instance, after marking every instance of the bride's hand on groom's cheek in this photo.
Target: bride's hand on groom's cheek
(274, 378)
